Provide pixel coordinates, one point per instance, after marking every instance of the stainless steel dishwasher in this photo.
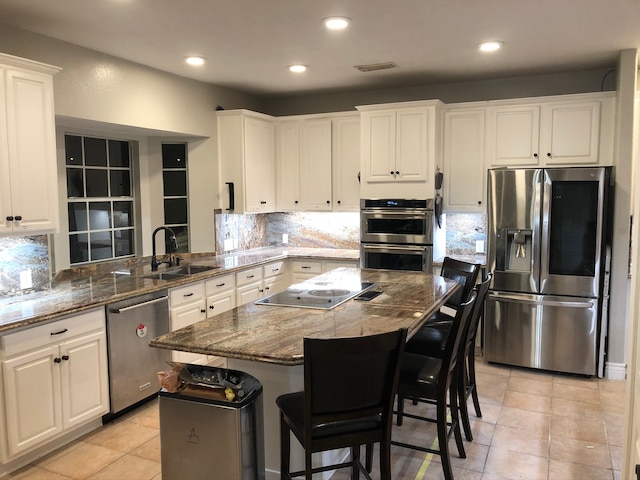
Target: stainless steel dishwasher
(133, 364)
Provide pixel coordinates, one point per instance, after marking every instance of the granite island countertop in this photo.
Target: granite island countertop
(273, 334)
(80, 289)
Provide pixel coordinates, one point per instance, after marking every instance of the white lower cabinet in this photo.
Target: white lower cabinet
(258, 282)
(187, 305)
(54, 379)
(302, 270)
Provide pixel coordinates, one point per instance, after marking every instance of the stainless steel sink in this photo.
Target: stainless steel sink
(180, 272)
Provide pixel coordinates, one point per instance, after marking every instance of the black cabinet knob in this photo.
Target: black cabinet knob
(549, 154)
(397, 172)
(18, 218)
(57, 360)
(391, 172)
(479, 202)
(535, 155)
(9, 219)
(211, 307)
(296, 202)
(65, 357)
(203, 310)
(339, 202)
(328, 202)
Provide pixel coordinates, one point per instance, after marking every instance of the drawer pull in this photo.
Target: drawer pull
(220, 284)
(306, 266)
(60, 332)
(250, 276)
(188, 295)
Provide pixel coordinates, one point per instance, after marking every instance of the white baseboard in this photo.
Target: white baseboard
(615, 371)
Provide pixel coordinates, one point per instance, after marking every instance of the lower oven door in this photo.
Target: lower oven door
(417, 258)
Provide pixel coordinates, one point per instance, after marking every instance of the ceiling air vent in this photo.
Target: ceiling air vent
(376, 66)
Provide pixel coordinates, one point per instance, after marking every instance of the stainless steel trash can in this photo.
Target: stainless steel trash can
(207, 435)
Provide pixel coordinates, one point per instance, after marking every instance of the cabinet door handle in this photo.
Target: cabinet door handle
(211, 307)
(296, 202)
(65, 357)
(18, 217)
(9, 219)
(188, 295)
(479, 202)
(202, 310)
(328, 202)
(339, 202)
(549, 154)
(57, 360)
(535, 155)
(232, 197)
(391, 172)
(60, 332)
(397, 172)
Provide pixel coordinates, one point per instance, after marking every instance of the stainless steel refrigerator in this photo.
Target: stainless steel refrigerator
(547, 237)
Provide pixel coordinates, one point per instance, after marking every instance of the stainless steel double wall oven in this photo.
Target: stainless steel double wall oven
(396, 234)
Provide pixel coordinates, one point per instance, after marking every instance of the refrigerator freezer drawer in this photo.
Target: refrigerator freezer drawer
(541, 331)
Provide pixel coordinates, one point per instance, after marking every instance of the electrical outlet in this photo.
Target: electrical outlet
(479, 246)
(228, 244)
(285, 238)
(26, 281)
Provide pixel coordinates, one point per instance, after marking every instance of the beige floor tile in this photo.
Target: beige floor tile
(129, 467)
(577, 451)
(528, 385)
(575, 381)
(488, 395)
(491, 380)
(532, 374)
(482, 431)
(490, 412)
(612, 385)
(573, 408)
(492, 368)
(615, 426)
(84, 461)
(525, 420)
(149, 450)
(527, 401)
(616, 457)
(612, 398)
(587, 428)
(564, 471)
(512, 439)
(580, 394)
(122, 436)
(516, 466)
(35, 473)
(476, 457)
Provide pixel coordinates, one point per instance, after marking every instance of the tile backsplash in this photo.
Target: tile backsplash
(304, 229)
(24, 264)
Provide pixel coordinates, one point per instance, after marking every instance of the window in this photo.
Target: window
(100, 199)
(174, 180)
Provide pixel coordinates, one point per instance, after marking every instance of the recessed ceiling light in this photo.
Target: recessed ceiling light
(490, 46)
(336, 23)
(195, 61)
(298, 68)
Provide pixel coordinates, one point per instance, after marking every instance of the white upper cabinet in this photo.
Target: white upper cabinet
(346, 164)
(28, 172)
(246, 152)
(398, 149)
(318, 163)
(315, 164)
(464, 169)
(566, 130)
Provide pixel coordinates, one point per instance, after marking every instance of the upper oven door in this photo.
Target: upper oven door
(400, 227)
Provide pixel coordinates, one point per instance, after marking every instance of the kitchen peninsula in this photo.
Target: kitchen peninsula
(267, 340)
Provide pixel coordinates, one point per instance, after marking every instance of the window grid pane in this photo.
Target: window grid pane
(175, 192)
(101, 224)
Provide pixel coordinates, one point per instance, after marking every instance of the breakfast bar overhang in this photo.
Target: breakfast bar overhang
(266, 341)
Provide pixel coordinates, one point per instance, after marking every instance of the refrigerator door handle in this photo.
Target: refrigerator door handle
(546, 303)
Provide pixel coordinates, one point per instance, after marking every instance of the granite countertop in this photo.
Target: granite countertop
(80, 289)
(273, 334)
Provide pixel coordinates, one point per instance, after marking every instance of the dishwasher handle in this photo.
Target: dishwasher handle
(138, 305)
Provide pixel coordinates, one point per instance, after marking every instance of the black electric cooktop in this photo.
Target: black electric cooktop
(321, 295)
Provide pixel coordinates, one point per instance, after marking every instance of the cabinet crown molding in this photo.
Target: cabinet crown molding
(399, 105)
(13, 61)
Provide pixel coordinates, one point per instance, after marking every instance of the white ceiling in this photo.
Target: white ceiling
(249, 43)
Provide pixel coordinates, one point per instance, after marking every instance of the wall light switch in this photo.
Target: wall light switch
(285, 238)
(479, 246)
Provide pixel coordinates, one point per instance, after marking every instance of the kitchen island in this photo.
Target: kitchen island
(267, 340)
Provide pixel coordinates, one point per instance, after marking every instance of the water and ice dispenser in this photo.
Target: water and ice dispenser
(513, 250)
